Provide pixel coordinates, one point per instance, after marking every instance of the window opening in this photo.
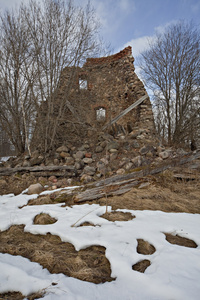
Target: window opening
(101, 114)
(82, 84)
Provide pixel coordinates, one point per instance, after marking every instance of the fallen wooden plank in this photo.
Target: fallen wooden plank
(186, 177)
(124, 112)
(120, 184)
(37, 169)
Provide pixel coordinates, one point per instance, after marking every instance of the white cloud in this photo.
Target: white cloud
(140, 44)
(143, 43)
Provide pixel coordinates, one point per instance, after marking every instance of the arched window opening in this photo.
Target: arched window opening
(100, 114)
(83, 84)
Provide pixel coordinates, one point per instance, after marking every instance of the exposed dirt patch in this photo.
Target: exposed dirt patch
(180, 241)
(19, 296)
(145, 247)
(15, 184)
(141, 266)
(86, 224)
(44, 219)
(118, 216)
(89, 264)
(53, 198)
(41, 200)
(11, 296)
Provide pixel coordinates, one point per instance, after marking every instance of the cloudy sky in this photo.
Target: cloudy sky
(130, 22)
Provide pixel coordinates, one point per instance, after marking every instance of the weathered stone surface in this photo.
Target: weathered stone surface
(113, 150)
(129, 165)
(53, 179)
(145, 149)
(123, 161)
(164, 154)
(36, 160)
(137, 161)
(56, 161)
(88, 154)
(120, 171)
(101, 168)
(79, 155)
(113, 156)
(104, 160)
(62, 149)
(3, 183)
(87, 160)
(111, 87)
(85, 178)
(26, 163)
(35, 154)
(98, 149)
(69, 161)
(89, 170)
(36, 188)
(113, 145)
(64, 154)
(78, 165)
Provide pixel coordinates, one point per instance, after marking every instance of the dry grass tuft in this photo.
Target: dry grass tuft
(141, 266)
(19, 296)
(89, 264)
(86, 224)
(145, 247)
(164, 193)
(180, 241)
(44, 219)
(11, 296)
(118, 216)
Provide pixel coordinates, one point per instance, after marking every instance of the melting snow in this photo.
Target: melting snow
(174, 273)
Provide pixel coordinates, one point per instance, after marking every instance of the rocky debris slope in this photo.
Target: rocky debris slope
(89, 162)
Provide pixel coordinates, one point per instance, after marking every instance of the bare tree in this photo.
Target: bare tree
(38, 42)
(62, 36)
(14, 90)
(171, 68)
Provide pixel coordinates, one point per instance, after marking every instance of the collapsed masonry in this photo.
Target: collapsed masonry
(101, 91)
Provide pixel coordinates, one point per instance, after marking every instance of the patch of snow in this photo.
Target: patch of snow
(4, 158)
(174, 272)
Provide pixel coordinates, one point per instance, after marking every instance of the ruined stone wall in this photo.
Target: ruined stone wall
(114, 85)
(99, 91)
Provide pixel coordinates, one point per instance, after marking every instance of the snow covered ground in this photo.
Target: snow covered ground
(174, 273)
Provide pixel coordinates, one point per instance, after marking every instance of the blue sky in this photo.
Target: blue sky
(130, 22)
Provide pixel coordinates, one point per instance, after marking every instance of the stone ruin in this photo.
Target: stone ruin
(98, 141)
(102, 89)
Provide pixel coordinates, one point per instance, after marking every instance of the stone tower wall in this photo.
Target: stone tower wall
(110, 85)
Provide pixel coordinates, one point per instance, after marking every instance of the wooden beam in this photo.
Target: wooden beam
(46, 170)
(124, 112)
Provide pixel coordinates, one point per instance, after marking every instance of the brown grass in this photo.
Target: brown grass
(19, 296)
(145, 247)
(44, 219)
(117, 216)
(86, 224)
(89, 264)
(165, 193)
(141, 266)
(180, 241)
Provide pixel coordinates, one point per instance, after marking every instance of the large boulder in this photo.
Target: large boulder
(36, 188)
(62, 149)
